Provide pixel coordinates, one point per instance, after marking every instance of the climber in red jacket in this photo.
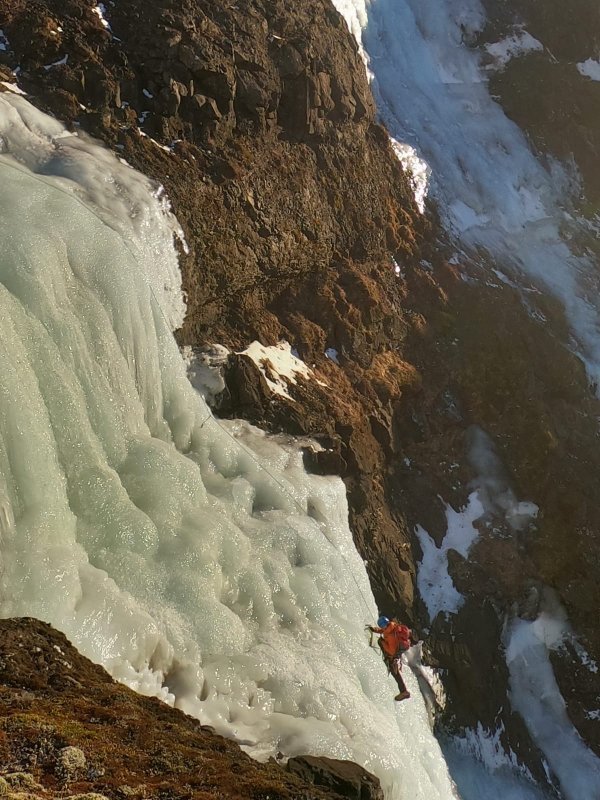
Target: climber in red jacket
(395, 640)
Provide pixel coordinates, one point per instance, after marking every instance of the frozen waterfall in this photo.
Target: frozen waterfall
(196, 561)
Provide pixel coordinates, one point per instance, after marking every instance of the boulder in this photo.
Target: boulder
(343, 777)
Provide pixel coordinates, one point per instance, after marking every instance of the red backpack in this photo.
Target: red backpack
(396, 637)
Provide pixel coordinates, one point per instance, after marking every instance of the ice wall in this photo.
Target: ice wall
(492, 191)
(196, 560)
(536, 696)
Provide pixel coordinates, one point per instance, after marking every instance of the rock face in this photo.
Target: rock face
(66, 726)
(260, 124)
(347, 779)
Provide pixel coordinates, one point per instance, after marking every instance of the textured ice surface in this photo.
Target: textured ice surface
(493, 193)
(197, 561)
(536, 696)
(483, 771)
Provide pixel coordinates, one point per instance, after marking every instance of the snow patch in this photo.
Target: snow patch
(12, 87)
(433, 580)
(332, 354)
(100, 10)
(164, 147)
(590, 69)
(515, 46)
(204, 369)
(58, 63)
(491, 498)
(4, 45)
(487, 747)
(418, 170)
(463, 217)
(279, 366)
(583, 655)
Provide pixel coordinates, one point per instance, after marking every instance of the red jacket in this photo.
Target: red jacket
(395, 638)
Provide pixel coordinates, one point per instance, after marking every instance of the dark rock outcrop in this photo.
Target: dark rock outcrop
(343, 777)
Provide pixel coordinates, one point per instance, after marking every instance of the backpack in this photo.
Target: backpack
(396, 638)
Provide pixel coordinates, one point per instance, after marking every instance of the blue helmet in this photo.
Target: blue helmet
(383, 622)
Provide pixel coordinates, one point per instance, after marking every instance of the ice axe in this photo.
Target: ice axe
(368, 628)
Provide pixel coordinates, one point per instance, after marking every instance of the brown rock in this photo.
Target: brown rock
(100, 739)
(347, 779)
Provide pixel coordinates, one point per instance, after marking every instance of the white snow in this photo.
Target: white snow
(145, 135)
(433, 581)
(278, 365)
(4, 44)
(493, 193)
(195, 559)
(332, 354)
(12, 87)
(100, 10)
(519, 44)
(58, 63)
(204, 369)
(417, 170)
(536, 696)
(585, 658)
(491, 498)
(590, 69)
(147, 94)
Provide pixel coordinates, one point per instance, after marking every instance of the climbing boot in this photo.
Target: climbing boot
(402, 696)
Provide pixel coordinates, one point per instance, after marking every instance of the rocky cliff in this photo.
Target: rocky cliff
(258, 120)
(68, 730)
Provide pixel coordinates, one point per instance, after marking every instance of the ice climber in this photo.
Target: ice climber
(395, 639)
